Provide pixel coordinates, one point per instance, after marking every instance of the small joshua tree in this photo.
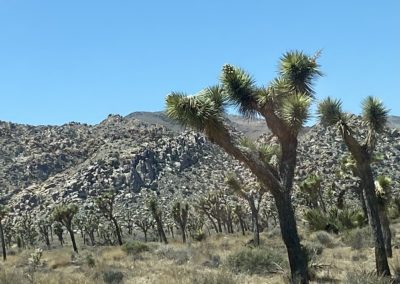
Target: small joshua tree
(58, 231)
(144, 222)
(44, 226)
(155, 210)
(106, 204)
(65, 215)
(180, 213)
(253, 196)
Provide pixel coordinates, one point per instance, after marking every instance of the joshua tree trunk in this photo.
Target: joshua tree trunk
(254, 218)
(3, 243)
(297, 257)
(362, 200)
(183, 234)
(387, 235)
(71, 234)
(160, 230)
(371, 201)
(117, 231)
(241, 225)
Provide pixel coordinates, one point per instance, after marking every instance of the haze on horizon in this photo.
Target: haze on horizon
(64, 61)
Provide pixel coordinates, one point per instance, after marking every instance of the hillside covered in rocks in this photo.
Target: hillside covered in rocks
(44, 165)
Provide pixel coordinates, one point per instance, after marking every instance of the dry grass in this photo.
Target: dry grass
(184, 263)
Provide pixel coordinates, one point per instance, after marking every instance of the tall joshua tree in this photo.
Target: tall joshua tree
(284, 105)
(374, 115)
(65, 214)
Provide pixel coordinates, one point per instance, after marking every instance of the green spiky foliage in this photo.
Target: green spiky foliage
(64, 214)
(295, 110)
(374, 114)
(284, 105)
(383, 188)
(299, 71)
(240, 89)
(330, 111)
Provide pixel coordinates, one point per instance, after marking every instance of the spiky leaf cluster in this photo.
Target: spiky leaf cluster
(374, 114)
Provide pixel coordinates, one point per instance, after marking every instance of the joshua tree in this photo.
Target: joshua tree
(144, 222)
(58, 230)
(253, 197)
(311, 187)
(180, 213)
(106, 203)
(3, 214)
(154, 208)
(374, 115)
(44, 226)
(284, 105)
(65, 214)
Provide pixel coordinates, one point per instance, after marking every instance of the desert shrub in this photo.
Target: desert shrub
(254, 261)
(178, 256)
(90, 261)
(334, 220)
(316, 219)
(35, 258)
(312, 249)
(11, 276)
(113, 277)
(324, 238)
(358, 238)
(199, 236)
(135, 247)
(221, 277)
(364, 277)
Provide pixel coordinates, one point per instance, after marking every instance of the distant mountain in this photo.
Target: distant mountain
(394, 121)
(250, 127)
(44, 165)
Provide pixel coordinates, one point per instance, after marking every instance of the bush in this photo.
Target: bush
(334, 220)
(135, 247)
(113, 277)
(90, 261)
(358, 238)
(324, 238)
(254, 261)
(312, 249)
(178, 256)
(364, 277)
(199, 236)
(220, 277)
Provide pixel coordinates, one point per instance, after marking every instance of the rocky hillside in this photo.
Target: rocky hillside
(44, 165)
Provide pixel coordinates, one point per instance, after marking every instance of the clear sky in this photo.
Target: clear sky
(80, 60)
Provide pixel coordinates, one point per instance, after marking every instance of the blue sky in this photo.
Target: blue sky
(73, 60)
